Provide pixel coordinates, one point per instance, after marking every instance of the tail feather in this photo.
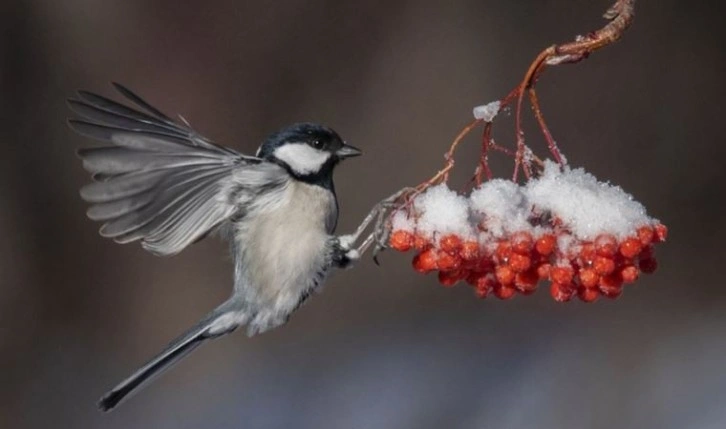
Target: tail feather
(212, 326)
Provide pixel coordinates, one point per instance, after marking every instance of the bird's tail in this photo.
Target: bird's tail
(220, 321)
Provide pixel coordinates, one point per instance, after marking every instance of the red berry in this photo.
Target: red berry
(425, 261)
(469, 251)
(661, 232)
(603, 265)
(613, 294)
(645, 235)
(611, 285)
(503, 252)
(648, 265)
(587, 253)
(448, 262)
(545, 244)
(561, 292)
(589, 278)
(606, 245)
(522, 242)
(631, 247)
(504, 274)
(485, 264)
(449, 278)
(519, 262)
(543, 271)
(401, 240)
(472, 277)
(561, 275)
(588, 294)
(483, 286)
(450, 244)
(504, 291)
(526, 281)
(629, 274)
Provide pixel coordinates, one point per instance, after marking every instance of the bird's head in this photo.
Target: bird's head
(307, 151)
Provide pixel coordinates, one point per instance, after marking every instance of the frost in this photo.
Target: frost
(487, 112)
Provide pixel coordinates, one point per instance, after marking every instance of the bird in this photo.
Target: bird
(158, 181)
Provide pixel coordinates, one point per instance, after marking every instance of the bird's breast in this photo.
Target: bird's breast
(285, 247)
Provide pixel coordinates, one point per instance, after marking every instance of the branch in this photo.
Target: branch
(620, 17)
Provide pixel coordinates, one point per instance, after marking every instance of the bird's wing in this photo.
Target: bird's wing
(159, 181)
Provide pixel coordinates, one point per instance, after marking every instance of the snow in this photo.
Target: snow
(487, 112)
(402, 222)
(586, 207)
(442, 211)
(502, 206)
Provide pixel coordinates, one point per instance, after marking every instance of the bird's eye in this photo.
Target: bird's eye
(317, 144)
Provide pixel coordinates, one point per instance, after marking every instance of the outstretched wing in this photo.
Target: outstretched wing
(159, 182)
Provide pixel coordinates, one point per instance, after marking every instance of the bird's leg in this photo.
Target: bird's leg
(347, 241)
(380, 234)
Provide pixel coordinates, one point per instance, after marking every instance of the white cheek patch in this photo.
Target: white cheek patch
(302, 158)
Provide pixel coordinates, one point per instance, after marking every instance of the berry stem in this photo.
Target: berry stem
(528, 82)
(486, 143)
(443, 174)
(551, 144)
(620, 16)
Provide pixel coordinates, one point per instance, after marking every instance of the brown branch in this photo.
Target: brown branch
(443, 174)
(620, 16)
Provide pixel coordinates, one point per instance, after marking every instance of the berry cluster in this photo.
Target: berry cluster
(587, 238)
(588, 269)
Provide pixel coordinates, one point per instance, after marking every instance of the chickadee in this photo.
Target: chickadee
(162, 183)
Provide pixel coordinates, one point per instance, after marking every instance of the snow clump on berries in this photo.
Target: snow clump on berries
(402, 222)
(441, 211)
(587, 207)
(502, 207)
(587, 238)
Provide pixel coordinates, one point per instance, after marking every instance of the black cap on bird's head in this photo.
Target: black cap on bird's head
(307, 151)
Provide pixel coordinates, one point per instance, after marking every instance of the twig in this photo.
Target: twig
(620, 16)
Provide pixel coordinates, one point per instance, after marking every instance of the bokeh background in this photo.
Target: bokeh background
(382, 347)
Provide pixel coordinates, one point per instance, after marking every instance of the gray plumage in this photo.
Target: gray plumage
(161, 183)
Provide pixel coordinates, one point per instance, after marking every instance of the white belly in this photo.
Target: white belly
(284, 253)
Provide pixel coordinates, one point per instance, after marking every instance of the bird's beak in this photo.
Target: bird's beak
(348, 151)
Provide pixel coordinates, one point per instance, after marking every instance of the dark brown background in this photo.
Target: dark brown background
(382, 347)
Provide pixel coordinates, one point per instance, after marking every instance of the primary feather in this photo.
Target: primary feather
(159, 181)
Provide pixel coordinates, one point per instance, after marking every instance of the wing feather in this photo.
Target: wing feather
(141, 103)
(120, 187)
(151, 141)
(104, 112)
(115, 209)
(173, 195)
(160, 181)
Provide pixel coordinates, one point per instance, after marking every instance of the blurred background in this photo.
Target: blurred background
(382, 347)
